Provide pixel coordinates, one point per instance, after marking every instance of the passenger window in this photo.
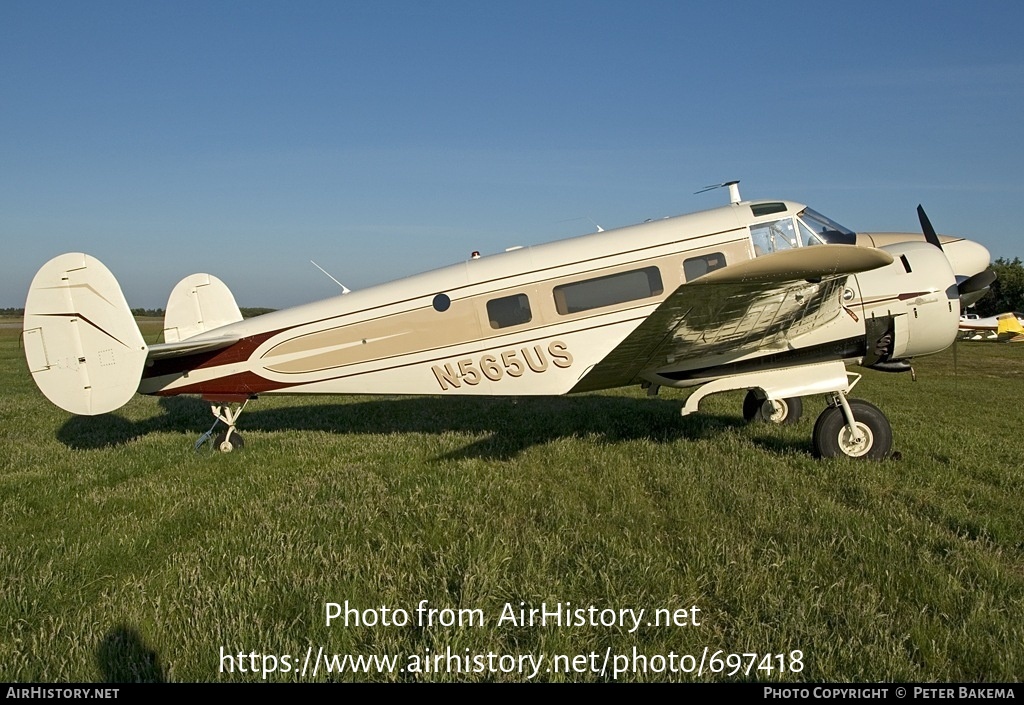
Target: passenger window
(699, 266)
(608, 291)
(509, 311)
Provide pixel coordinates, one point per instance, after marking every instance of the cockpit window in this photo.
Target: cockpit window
(825, 229)
(807, 236)
(774, 236)
(759, 209)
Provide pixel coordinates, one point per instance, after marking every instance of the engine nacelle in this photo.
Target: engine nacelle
(911, 307)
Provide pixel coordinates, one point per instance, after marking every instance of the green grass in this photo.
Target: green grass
(127, 556)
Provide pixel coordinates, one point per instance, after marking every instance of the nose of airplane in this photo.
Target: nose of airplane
(966, 257)
(969, 260)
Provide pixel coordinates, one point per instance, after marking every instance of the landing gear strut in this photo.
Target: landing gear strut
(229, 440)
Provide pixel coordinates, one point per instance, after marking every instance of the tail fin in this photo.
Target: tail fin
(1009, 326)
(84, 350)
(198, 303)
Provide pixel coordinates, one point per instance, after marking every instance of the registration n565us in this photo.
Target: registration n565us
(495, 366)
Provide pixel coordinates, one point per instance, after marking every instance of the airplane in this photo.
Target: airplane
(767, 296)
(1004, 327)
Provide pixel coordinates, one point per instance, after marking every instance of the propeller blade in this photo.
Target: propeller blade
(981, 280)
(973, 288)
(926, 226)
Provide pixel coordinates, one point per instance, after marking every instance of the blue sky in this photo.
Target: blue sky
(385, 138)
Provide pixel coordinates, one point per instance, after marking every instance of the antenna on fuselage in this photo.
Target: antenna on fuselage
(583, 217)
(734, 190)
(344, 289)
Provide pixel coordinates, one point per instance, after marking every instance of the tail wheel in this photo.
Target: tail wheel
(226, 445)
(832, 438)
(780, 411)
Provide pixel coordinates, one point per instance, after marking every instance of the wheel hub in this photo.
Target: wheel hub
(856, 444)
(778, 410)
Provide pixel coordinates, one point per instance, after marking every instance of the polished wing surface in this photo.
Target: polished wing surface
(760, 304)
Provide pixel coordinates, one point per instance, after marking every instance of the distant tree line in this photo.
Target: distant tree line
(1007, 291)
(253, 312)
(247, 312)
(148, 312)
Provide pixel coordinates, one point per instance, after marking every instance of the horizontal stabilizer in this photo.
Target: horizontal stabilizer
(198, 303)
(83, 348)
(159, 351)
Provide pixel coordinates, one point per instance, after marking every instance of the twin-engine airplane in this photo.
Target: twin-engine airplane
(767, 296)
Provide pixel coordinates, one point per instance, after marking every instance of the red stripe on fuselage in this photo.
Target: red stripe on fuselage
(228, 388)
(238, 352)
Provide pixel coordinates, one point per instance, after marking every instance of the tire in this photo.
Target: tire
(224, 445)
(780, 411)
(832, 439)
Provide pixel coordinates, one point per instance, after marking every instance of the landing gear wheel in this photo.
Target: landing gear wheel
(832, 437)
(779, 411)
(226, 445)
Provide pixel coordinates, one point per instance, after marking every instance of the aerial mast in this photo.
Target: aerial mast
(734, 190)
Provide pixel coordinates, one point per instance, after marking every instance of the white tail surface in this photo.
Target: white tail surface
(84, 350)
(198, 303)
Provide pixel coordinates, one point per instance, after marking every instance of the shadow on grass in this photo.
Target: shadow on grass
(123, 657)
(181, 415)
(510, 425)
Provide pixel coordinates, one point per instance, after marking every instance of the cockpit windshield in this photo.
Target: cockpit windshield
(814, 225)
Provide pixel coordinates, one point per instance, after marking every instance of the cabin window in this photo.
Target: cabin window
(442, 302)
(608, 291)
(509, 311)
(699, 266)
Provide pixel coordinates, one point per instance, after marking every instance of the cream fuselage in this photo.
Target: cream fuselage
(434, 333)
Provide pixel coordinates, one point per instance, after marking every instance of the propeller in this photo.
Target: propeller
(932, 237)
(979, 281)
(926, 227)
(970, 289)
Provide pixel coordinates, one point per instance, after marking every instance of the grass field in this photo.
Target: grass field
(125, 555)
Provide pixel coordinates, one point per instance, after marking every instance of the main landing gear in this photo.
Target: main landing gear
(868, 435)
(852, 428)
(846, 428)
(229, 440)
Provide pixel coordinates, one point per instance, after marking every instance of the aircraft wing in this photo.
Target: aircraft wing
(756, 304)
